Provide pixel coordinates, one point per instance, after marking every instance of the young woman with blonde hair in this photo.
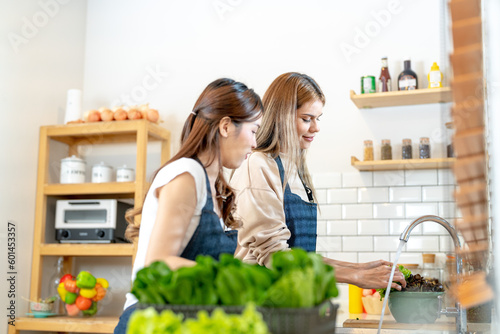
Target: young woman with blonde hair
(276, 200)
(188, 210)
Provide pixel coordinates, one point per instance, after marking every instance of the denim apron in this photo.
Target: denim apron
(300, 216)
(209, 238)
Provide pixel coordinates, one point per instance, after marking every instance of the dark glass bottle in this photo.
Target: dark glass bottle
(407, 80)
(384, 81)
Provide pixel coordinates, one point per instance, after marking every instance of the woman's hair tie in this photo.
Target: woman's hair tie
(194, 113)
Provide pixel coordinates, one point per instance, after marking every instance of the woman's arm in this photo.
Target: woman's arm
(259, 205)
(176, 207)
(370, 275)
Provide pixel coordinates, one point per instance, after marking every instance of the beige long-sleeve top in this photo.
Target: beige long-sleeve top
(260, 206)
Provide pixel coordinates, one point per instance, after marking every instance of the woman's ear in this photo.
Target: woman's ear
(224, 126)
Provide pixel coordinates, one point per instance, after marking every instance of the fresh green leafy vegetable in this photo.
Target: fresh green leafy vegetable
(148, 321)
(406, 273)
(296, 279)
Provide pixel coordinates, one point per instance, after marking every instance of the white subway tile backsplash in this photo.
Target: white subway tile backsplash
(448, 210)
(421, 177)
(330, 211)
(405, 194)
(329, 244)
(372, 256)
(386, 210)
(373, 195)
(340, 196)
(321, 195)
(415, 210)
(341, 227)
(438, 193)
(357, 244)
(321, 228)
(363, 214)
(357, 179)
(373, 227)
(385, 243)
(433, 228)
(446, 177)
(343, 256)
(446, 244)
(397, 226)
(408, 258)
(357, 211)
(422, 243)
(327, 180)
(388, 178)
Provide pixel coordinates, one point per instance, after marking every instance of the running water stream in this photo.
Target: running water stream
(388, 290)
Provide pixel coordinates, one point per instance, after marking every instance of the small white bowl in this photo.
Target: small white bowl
(41, 307)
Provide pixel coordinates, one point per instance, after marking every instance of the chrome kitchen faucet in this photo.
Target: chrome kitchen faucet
(458, 311)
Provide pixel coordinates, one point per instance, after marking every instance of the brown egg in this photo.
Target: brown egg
(106, 114)
(119, 114)
(152, 115)
(94, 116)
(134, 114)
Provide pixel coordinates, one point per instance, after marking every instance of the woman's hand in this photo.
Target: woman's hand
(378, 277)
(369, 275)
(373, 264)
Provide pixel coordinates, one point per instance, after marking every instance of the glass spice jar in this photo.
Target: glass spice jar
(406, 149)
(386, 150)
(425, 148)
(368, 155)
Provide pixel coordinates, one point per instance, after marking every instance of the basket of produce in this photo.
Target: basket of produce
(418, 302)
(293, 295)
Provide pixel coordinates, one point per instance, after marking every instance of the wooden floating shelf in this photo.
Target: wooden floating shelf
(91, 249)
(66, 324)
(409, 164)
(402, 98)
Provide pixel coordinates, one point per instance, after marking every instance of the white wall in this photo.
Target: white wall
(37, 70)
(195, 42)
(191, 43)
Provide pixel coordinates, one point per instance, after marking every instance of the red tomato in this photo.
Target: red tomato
(65, 277)
(83, 303)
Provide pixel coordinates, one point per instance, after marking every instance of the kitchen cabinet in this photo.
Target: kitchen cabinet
(402, 98)
(140, 132)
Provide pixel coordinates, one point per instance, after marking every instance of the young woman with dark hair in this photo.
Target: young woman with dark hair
(188, 210)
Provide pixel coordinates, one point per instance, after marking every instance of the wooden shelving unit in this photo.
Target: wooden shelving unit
(66, 324)
(402, 98)
(140, 132)
(380, 165)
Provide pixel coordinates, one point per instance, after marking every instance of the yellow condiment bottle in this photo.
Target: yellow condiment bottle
(435, 77)
(355, 302)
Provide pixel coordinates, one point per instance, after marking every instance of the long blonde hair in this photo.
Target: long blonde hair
(221, 98)
(278, 130)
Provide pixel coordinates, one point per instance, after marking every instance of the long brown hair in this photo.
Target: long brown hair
(278, 131)
(221, 98)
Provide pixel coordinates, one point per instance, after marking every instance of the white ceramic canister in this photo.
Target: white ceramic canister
(72, 170)
(102, 173)
(125, 174)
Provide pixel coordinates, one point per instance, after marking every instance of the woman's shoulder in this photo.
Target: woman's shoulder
(258, 171)
(260, 159)
(181, 166)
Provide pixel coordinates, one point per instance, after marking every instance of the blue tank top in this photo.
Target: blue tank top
(209, 238)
